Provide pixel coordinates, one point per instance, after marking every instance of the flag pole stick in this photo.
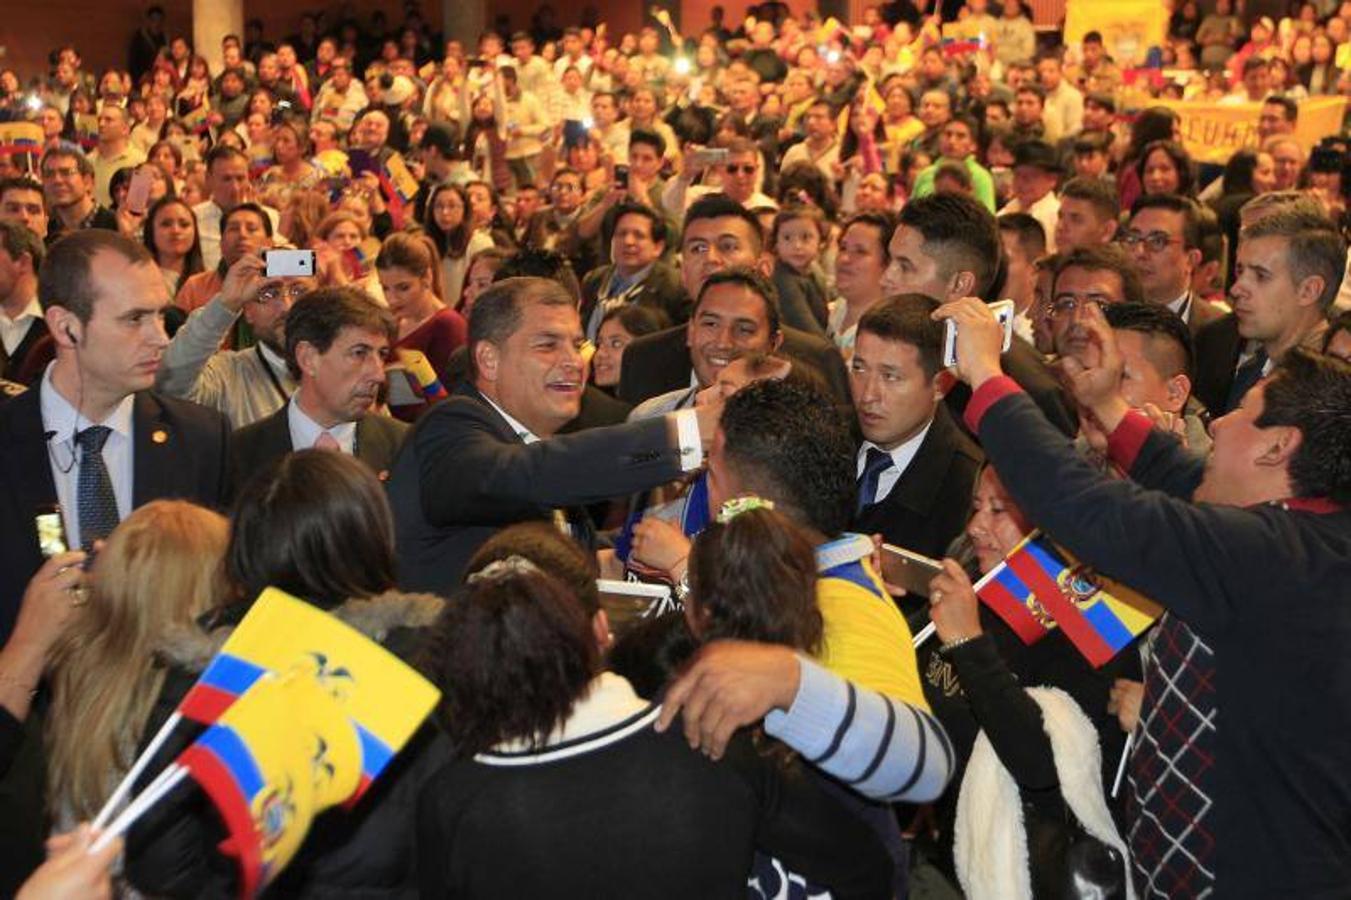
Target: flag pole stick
(1121, 766)
(165, 782)
(120, 793)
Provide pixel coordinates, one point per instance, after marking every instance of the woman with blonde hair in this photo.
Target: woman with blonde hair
(410, 275)
(301, 216)
(160, 570)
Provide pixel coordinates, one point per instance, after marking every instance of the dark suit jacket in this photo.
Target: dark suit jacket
(930, 503)
(1203, 312)
(656, 363)
(1025, 365)
(29, 360)
(256, 447)
(660, 290)
(1218, 347)
(180, 450)
(463, 474)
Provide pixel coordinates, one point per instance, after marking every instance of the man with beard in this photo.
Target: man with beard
(250, 384)
(337, 341)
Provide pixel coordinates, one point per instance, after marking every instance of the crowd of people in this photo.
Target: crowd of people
(615, 365)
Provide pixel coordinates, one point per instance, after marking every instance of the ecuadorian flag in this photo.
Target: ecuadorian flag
(1014, 602)
(420, 372)
(276, 758)
(1100, 617)
(385, 699)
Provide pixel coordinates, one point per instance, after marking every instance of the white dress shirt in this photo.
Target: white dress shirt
(62, 421)
(1183, 307)
(901, 457)
(305, 431)
(13, 331)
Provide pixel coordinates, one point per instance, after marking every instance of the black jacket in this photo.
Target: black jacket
(364, 852)
(661, 289)
(463, 473)
(657, 363)
(930, 503)
(1218, 347)
(1264, 586)
(1026, 366)
(256, 447)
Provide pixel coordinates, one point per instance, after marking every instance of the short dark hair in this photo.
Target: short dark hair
(637, 319)
(499, 310)
(1311, 250)
(252, 208)
(316, 525)
(1096, 192)
(67, 150)
(223, 152)
(650, 138)
(1183, 206)
(1027, 231)
(753, 578)
(534, 262)
(512, 655)
(720, 206)
(318, 317)
(632, 208)
(908, 318)
(1103, 258)
(1029, 87)
(67, 279)
(18, 240)
(753, 281)
(23, 183)
(549, 549)
(1289, 108)
(1312, 392)
(789, 443)
(959, 233)
(1159, 322)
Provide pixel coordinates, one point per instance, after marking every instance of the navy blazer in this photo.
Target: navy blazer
(463, 474)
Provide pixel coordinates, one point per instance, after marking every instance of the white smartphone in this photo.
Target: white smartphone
(1004, 312)
(289, 263)
(709, 156)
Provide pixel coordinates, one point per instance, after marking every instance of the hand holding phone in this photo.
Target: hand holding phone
(1004, 312)
(289, 264)
(138, 191)
(906, 569)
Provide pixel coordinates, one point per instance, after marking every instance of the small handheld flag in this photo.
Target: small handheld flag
(426, 381)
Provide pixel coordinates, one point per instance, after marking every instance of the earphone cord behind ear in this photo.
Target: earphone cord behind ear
(71, 443)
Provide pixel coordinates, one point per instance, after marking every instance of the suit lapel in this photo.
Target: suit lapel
(919, 485)
(26, 464)
(154, 466)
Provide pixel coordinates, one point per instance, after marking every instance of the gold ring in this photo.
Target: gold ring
(936, 598)
(79, 595)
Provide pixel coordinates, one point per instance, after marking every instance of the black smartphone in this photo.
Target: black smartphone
(622, 177)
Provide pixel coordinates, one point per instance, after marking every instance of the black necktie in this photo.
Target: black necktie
(878, 461)
(94, 491)
(1247, 375)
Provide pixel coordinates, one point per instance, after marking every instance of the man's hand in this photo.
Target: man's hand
(709, 413)
(242, 281)
(980, 339)
(660, 545)
(1094, 377)
(730, 684)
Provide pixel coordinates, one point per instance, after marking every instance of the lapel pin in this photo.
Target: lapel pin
(159, 436)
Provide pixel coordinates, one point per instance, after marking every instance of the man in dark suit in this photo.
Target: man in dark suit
(337, 341)
(947, 246)
(719, 234)
(25, 344)
(488, 457)
(1164, 239)
(91, 437)
(637, 274)
(916, 468)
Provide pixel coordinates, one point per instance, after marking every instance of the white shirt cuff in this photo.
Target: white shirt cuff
(687, 435)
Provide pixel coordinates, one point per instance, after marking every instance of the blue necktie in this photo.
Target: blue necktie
(94, 492)
(878, 462)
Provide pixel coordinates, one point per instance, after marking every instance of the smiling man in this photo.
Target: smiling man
(337, 341)
(488, 457)
(637, 274)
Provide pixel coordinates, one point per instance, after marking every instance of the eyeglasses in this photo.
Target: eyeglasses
(60, 173)
(1064, 307)
(1155, 241)
(744, 169)
(274, 292)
